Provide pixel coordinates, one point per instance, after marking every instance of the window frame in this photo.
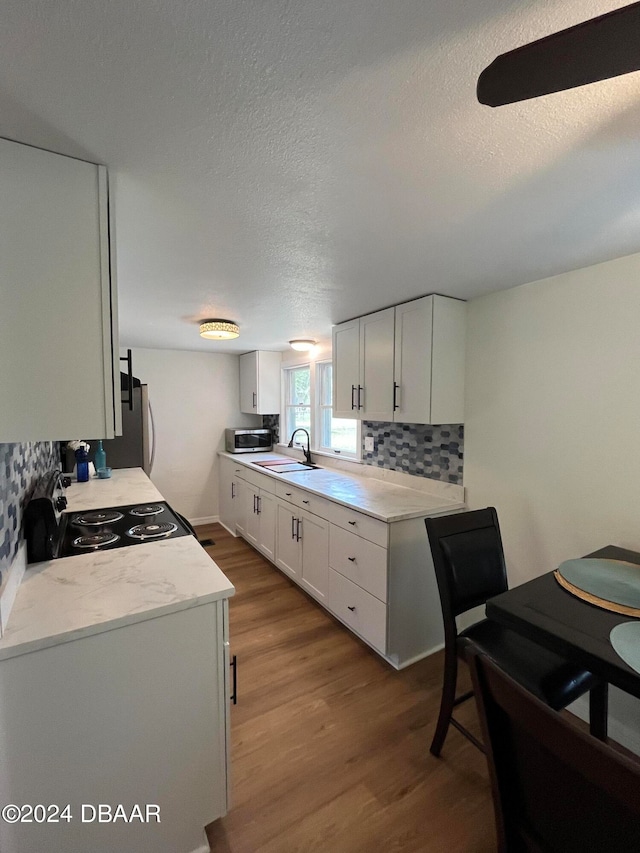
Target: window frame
(319, 409)
(286, 404)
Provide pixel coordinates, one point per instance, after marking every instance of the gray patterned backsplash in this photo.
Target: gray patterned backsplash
(435, 452)
(21, 465)
(422, 450)
(272, 422)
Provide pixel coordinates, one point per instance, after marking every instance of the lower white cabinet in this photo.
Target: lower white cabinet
(232, 505)
(302, 548)
(134, 715)
(362, 612)
(375, 577)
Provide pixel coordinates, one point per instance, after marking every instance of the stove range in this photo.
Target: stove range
(117, 527)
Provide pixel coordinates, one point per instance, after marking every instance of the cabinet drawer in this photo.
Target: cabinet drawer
(256, 479)
(361, 561)
(359, 523)
(303, 499)
(362, 612)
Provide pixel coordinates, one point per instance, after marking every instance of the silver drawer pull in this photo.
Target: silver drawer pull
(350, 608)
(351, 559)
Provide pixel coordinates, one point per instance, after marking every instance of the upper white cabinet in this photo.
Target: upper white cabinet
(403, 364)
(58, 323)
(260, 383)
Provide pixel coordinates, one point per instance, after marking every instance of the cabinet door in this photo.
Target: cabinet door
(240, 488)
(346, 369)
(314, 574)
(249, 383)
(447, 384)
(268, 397)
(376, 365)
(267, 517)
(252, 525)
(287, 543)
(58, 323)
(226, 492)
(413, 337)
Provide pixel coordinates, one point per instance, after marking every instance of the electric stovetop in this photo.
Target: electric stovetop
(117, 527)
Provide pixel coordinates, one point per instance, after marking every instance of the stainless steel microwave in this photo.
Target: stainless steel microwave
(248, 440)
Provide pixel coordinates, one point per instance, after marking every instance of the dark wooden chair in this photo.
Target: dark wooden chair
(470, 568)
(555, 788)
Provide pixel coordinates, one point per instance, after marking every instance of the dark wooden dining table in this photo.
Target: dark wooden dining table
(546, 613)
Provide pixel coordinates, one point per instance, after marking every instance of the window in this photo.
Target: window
(297, 402)
(337, 435)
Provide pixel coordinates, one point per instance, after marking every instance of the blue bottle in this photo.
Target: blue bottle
(82, 465)
(100, 458)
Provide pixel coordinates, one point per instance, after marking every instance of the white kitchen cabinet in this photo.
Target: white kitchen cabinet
(232, 501)
(302, 548)
(137, 714)
(259, 503)
(288, 551)
(403, 364)
(363, 367)
(260, 382)
(376, 577)
(58, 324)
(429, 361)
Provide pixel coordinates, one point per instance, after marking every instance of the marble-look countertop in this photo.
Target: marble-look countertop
(377, 498)
(63, 600)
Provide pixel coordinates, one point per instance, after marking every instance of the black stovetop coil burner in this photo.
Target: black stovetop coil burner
(51, 533)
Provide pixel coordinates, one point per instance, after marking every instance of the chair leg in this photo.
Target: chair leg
(599, 711)
(447, 701)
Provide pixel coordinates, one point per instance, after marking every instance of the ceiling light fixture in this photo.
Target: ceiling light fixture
(302, 344)
(219, 330)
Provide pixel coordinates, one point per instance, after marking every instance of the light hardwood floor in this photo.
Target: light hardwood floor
(330, 745)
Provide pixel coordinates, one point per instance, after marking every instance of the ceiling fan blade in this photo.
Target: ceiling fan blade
(597, 49)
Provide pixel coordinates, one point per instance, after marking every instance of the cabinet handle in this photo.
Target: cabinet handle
(233, 492)
(395, 397)
(258, 501)
(306, 502)
(127, 358)
(288, 494)
(350, 608)
(351, 559)
(353, 391)
(353, 522)
(298, 526)
(293, 521)
(360, 405)
(254, 399)
(234, 667)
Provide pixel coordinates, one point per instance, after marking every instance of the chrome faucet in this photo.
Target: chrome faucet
(307, 452)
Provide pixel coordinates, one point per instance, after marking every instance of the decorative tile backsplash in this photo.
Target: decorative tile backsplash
(272, 422)
(424, 451)
(21, 465)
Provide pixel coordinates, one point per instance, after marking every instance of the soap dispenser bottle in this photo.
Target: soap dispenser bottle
(100, 459)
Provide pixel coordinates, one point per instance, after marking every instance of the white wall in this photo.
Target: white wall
(553, 423)
(194, 396)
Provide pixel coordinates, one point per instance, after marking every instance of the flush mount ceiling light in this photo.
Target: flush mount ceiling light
(219, 330)
(302, 344)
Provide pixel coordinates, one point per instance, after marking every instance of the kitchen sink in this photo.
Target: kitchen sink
(278, 466)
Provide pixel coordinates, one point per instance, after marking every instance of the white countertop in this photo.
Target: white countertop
(385, 501)
(63, 600)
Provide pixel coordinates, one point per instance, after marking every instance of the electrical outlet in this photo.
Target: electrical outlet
(368, 444)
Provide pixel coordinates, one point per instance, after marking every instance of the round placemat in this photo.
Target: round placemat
(611, 584)
(625, 639)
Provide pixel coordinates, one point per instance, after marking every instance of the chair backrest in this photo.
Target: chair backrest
(555, 788)
(468, 559)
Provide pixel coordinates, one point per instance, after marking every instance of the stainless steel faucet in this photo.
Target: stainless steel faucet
(307, 452)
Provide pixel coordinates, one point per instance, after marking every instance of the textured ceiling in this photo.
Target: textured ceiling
(290, 164)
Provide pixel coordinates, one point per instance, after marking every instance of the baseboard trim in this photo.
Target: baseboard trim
(208, 519)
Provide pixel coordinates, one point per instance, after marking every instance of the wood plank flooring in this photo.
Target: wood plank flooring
(330, 745)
